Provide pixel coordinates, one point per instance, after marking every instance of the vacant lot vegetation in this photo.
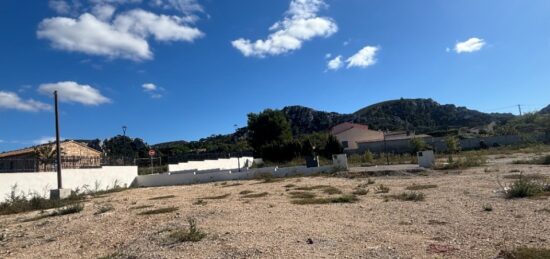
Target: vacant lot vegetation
(473, 213)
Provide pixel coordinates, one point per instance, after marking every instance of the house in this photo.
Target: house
(349, 134)
(41, 158)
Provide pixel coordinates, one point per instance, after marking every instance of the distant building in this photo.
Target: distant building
(349, 134)
(73, 155)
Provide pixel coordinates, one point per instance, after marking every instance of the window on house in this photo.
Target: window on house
(345, 144)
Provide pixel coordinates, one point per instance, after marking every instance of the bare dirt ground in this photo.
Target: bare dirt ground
(450, 223)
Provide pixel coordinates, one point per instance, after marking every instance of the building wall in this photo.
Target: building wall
(226, 175)
(74, 149)
(438, 144)
(354, 135)
(220, 164)
(41, 183)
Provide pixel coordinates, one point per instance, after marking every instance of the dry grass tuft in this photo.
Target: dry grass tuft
(162, 197)
(255, 195)
(417, 187)
(219, 197)
(341, 199)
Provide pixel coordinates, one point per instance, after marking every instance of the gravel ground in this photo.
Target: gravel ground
(450, 223)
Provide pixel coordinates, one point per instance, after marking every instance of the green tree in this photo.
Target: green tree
(123, 146)
(417, 144)
(332, 147)
(453, 144)
(267, 128)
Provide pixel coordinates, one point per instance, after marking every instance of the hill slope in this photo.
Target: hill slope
(422, 115)
(545, 110)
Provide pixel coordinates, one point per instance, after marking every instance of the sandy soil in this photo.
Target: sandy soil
(450, 223)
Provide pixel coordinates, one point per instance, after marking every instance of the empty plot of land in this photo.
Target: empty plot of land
(452, 220)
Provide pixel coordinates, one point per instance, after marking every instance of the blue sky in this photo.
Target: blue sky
(186, 69)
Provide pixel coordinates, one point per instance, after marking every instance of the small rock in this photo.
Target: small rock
(309, 241)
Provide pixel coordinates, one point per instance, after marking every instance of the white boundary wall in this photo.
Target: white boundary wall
(41, 183)
(194, 178)
(221, 164)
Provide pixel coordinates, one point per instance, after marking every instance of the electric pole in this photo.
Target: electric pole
(519, 107)
(57, 147)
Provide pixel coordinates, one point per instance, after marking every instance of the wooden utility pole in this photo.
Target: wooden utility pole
(57, 144)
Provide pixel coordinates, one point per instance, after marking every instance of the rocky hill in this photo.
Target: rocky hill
(422, 115)
(545, 110)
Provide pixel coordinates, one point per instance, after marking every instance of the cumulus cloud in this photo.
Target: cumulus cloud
(364, 58)
(470, 45)
(73, 92)
(90, 35)
(10, 100)
(153, 90)
(335, 64)
(301, 23)
(161, 27)
(104, 32)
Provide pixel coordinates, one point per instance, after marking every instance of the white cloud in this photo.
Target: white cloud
(103, 12)
(43, 140)
(89, 35)
(364, 58)
(335, 64)
(184, 6)
(328, 55)
(149, 87)
(164, 28)
(125, 35)
(73, 92)
(59, 6)
(10, 100)
(471, 45)
(301, 23)
(153, 90)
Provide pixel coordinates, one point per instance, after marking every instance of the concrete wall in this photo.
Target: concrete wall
(438, 144)
(222, 164)
(41, 183)
(226, 175)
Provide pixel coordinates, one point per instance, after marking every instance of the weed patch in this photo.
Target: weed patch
(360, 191)
(141, 207)
(523, 188)
(245, 192)
(382, 189)
(159, 211)
(525, 253)
(332, 190)
(104, 208)
(219, 197)
(302, 195)
(487, 207)
(255, 195)
(340, 199)
(408, 196)
(163, 197)
(71, 209)
(192, 234)
(200, 202)
(417, 187)
(231, 185)
(17, 202)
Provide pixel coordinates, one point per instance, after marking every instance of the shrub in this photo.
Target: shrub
(200, 202)
(18, 202)
(368, 157)
(246, 192)
(193, 234)
(382, 189)
(523, 188)
(360, 191)
(487, 207)
(71, 209)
